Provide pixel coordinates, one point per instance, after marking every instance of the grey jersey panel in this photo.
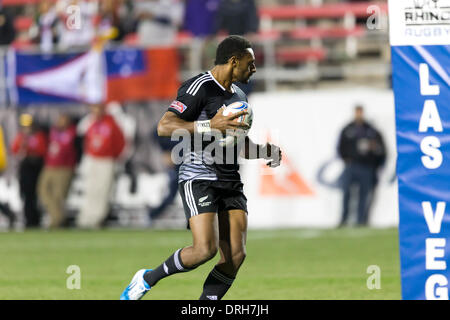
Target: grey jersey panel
(195, 167)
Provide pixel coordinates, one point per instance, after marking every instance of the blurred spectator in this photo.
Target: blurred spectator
(23, 39)
(47, 21)
(103, 144)
(30, 147)
(4, 207)
(166, 145)
(362, 148)
(158, 21)
(207, 10)
(109, 19)
(60, 162)
(238, 17)
(202, 29)
(127, 124)
(7, 31)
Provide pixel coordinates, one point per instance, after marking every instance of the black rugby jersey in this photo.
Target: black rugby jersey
(198, 99)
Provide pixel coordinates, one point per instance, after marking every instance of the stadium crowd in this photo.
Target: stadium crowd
(53, 24)
(47, 153)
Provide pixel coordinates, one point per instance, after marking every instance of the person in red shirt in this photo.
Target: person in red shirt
(30, 147)
(103, 144)
(60, 161)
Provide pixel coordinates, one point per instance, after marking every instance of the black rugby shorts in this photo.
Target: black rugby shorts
(201, 196)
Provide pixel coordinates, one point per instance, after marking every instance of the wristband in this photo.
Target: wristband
(203, 126)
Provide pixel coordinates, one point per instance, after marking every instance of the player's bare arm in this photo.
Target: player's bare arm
(171, 122)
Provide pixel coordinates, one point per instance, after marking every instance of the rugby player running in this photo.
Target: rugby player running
(212, 192)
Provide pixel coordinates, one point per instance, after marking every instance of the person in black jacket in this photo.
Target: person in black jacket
(362, 149)
(237, 17)
(7, 31)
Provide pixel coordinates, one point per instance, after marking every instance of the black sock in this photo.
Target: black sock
(171, 266)
(216, 285)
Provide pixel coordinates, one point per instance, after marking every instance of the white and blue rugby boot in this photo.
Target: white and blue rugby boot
(137, 288)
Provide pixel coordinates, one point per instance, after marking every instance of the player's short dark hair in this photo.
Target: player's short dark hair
(231, 46)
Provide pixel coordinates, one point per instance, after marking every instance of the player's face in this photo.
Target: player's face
(245, 67)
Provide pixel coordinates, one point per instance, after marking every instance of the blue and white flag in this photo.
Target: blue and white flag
(38, 78)
(420, 45)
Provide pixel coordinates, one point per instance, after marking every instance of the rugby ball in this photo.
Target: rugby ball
(234, 136)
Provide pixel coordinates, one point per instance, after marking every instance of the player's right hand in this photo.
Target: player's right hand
(224, 123)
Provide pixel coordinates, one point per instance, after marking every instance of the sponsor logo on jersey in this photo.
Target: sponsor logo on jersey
(177, 105)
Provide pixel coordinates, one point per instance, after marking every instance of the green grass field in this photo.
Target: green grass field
(292, 264)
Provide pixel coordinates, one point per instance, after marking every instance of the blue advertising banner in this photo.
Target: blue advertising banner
(421, 80)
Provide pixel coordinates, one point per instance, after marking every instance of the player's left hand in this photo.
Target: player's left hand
(273, 153)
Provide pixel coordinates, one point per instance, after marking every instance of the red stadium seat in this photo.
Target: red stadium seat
(22, 23)
(321, 33)
(267, 35)
(296, 55)
(333, 10)
(183, 37)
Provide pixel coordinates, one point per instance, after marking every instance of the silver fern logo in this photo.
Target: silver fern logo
(202, 203)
